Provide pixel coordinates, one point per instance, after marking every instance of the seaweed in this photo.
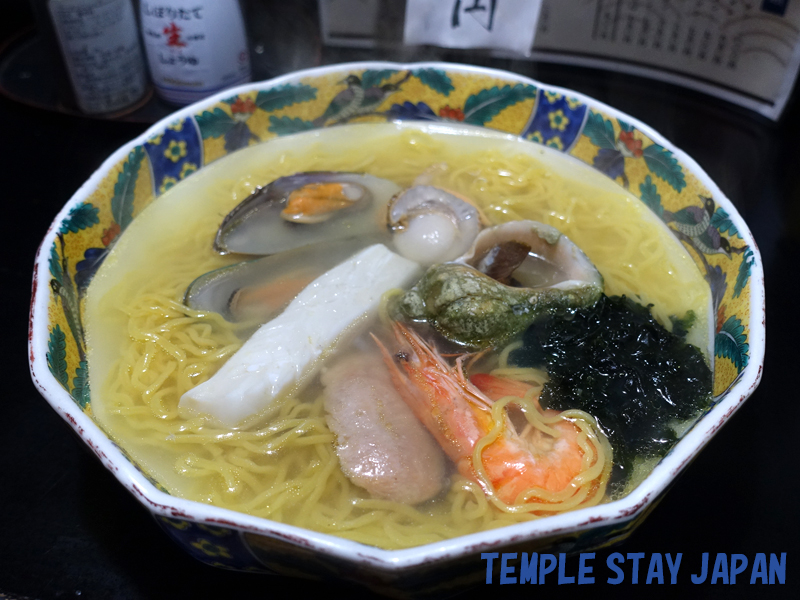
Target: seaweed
(616, 362)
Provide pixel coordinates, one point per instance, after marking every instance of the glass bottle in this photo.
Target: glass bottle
(100, 44)
(194, 47)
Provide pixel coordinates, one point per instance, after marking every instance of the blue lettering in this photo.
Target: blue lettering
(527, 569)
(547, 564)
(759, 569)
(506, 570)
(562, 577)
(720, 568)
(777, 569)
(738, 564)
(656, 569)
(584, 570)
(635, 556)
(611, 563)
(489, 558)
(673, 567)
(703, 571)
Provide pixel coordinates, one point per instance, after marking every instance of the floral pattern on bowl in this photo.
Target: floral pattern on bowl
(626, 151)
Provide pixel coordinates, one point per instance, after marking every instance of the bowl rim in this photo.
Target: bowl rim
(162, 504)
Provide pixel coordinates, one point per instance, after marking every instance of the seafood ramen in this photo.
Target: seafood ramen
(321, 330)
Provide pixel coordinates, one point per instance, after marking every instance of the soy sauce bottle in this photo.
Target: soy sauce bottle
(194, 47)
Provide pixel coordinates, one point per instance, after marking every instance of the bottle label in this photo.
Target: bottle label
(101, 48)
(194, 48)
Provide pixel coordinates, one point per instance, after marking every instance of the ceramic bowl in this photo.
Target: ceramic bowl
(619, 146)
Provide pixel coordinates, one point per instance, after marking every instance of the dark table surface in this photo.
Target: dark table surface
(69, 530)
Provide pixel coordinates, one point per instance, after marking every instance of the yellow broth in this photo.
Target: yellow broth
(146, 350)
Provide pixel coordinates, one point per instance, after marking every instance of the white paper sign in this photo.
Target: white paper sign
(745, 51)
(496, 24)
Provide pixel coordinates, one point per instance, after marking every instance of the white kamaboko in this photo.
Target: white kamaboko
(288, 350)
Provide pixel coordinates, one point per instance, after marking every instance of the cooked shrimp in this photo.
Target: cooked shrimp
(548, 457)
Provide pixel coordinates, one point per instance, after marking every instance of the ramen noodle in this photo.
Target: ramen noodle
(147, 348)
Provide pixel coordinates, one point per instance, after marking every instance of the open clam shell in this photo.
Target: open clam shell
(257, 290)
(530, 254)
(432, 225)
(303, 209)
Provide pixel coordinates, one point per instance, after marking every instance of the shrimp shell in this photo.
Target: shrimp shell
(552, 461)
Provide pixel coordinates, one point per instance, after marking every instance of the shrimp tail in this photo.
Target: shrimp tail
(499, 387)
